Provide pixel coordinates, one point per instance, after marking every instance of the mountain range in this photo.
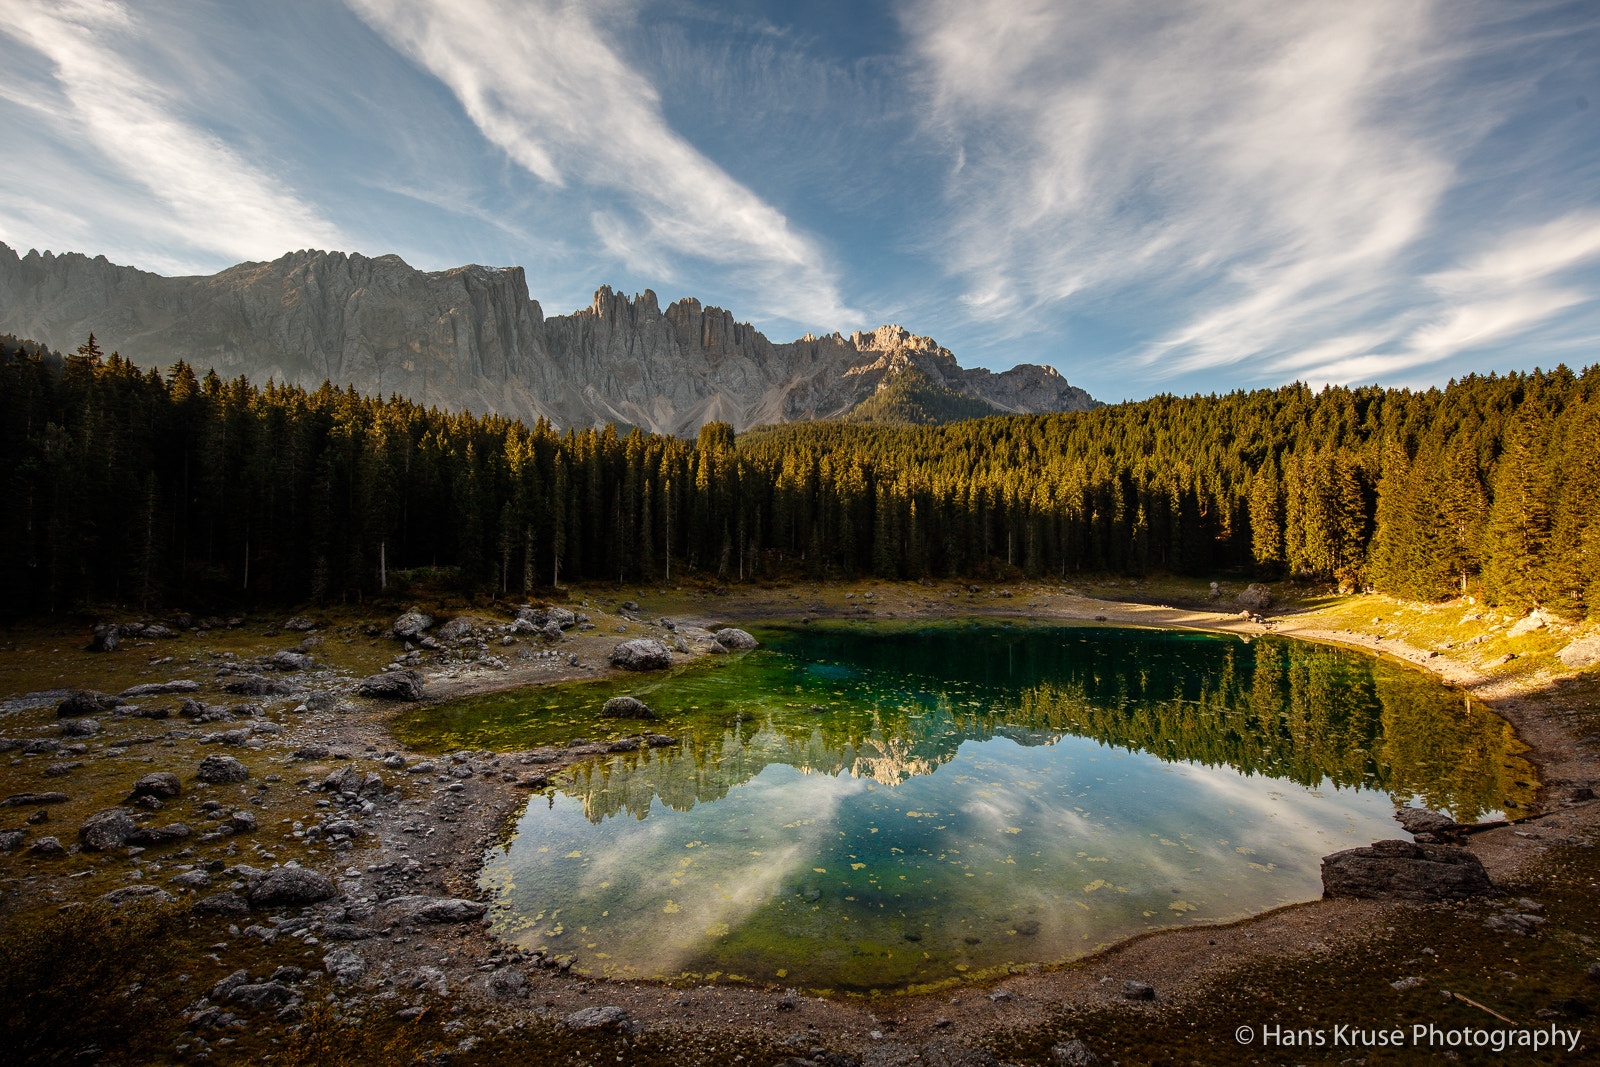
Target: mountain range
(471, 338)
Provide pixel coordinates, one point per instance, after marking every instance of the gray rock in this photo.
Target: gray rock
(86, 702)
(262, 995)
(735, 640)
(561, 617)
(950, 1054)
(1401, 870)
(222, 904)
(84, 727)
(11, 839)
(243, 822)
(641, 654)
(626, 708)
(1073, 1053)
(191, 880)
(1582, 653)
(1132, 990)
(136, 894)
(47, 846)
(156, 689)
(435, 909)
(218, 769)
(310, 752)
(508, 982)
(392, 685)
(41, 745)
(411, 624)
(148, 836)
(346, 779)
(223, 988)
(1256, 597)
(291, 885)
(106, 830)
(28, 800)
(300, 624)
(600, 1018)
(344, 965)
(1425, 821)
(256, 685)
(345, 932)
(103, 639)
(291, 661)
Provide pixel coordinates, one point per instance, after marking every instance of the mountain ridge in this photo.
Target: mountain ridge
(472, 338)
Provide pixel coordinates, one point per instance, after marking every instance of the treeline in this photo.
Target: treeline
(142, 487)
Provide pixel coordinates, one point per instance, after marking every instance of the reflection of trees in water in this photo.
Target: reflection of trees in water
(1301, 712)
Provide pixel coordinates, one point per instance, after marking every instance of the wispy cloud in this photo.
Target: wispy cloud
(178, 183)
(541, 81)
(1271, 178)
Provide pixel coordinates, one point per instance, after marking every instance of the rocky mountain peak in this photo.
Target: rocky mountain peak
(471, 338)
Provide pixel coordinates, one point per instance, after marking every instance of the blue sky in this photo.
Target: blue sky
(1152, 196)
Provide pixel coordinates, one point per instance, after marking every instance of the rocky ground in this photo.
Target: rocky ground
(243, 772)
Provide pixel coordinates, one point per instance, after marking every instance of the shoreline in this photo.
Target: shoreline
(476, 795)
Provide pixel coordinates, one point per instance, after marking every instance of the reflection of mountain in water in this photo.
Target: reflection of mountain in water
(1306, 713)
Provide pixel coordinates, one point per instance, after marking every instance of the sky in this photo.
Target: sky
(1155, 196)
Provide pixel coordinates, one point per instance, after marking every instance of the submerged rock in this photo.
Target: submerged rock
(626, 708)
(1401, 870)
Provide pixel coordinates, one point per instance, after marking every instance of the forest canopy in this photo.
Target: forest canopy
(138, 486)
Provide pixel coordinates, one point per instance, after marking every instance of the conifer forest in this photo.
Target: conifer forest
(142, 487)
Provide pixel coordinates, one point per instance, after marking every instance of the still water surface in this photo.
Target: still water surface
(855, 807)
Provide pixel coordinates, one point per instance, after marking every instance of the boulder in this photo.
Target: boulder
(1401, 870)
(28, 800)
(1256, 597)
(217, 769)
(346, 779)
(157, 689)
(1584, 652)
(291, 885)
(1527, 624)
(256, 685)
(86, 702)
(435, 909)
(290, 660)
(411, 624)
(508, 982)
(392, 685)
(561, 617)
(163, 784)
(300, 624)
(102, 638)
(735, 640)
(84, 727)
(641, 654)
(626, 708)
(191, 880)
(47, 846)
(106, 830)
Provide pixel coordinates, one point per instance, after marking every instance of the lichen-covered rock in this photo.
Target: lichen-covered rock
(344, 965)
(289, 660)
(222, 904)
(290, 885)
(411, 624)
(159, 835)
(106, 830)
(136, 894)
(600, 1018)
(218, 769)
(392, 685)
(80, 727)
(300, 624)
(1401, 870)
(626, 708)
(735, 640)
(641, 654)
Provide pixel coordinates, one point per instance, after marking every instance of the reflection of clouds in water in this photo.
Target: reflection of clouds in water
(720, 888)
